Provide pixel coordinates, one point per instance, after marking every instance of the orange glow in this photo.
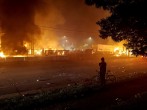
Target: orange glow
(61, 53)
(116, 49)
(26, 44)
(2, 55)
(38, 52)
(48, 41)
(19, 56)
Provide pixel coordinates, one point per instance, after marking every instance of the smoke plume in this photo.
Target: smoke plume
(43, 23)
(17, 22)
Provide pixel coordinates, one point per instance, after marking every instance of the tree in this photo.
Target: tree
(127, 21)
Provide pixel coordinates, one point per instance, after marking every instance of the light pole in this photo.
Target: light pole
(90, 41)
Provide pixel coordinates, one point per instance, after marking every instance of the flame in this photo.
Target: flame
(38, 52)
(19, 56)
(116, 49)
(2, 55)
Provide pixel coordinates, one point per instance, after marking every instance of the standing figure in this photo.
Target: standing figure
(102, 66)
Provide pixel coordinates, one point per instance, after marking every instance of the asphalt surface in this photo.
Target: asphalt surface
(27, 75)
(18, 77)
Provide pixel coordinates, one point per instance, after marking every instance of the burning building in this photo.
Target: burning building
(17, 22)
(12, 46)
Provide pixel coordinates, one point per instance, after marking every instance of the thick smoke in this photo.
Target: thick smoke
(17, 22)
(26, 20)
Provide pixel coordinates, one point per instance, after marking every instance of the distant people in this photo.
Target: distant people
(102, 66)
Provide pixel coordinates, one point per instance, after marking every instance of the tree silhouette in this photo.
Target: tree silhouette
(128, 21)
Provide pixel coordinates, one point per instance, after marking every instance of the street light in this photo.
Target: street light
(66, 40)
(64, 37)
(90, 41)
(90, 38)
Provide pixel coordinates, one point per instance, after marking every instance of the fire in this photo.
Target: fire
(2, 55)
(38, 52)
(61, 53)
(119, 51)
(19, 56)
(116, 49)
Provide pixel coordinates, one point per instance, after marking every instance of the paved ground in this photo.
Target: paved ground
(23, 76)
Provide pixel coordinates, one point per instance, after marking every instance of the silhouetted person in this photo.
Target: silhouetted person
(102, 66)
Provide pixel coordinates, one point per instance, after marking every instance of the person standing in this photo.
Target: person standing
(102, 68)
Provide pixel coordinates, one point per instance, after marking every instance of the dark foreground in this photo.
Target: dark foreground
(126, 95)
